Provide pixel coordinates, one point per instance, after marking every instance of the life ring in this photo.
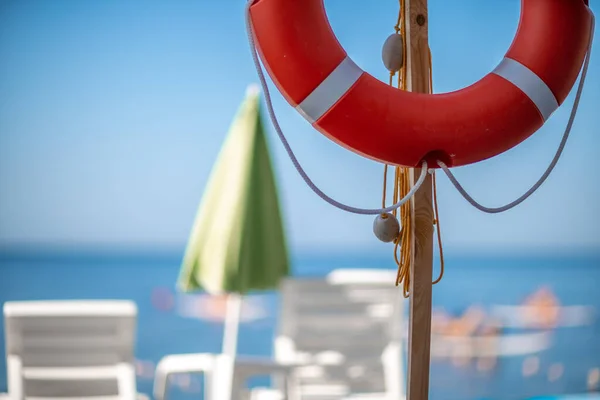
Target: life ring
(356, 110)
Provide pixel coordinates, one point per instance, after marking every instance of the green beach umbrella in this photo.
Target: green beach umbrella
(237, 243)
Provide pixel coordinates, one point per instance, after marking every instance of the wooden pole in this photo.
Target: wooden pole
(419, 336)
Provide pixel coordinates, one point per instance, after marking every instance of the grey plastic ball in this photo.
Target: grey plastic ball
(386, 227)
(393, 53)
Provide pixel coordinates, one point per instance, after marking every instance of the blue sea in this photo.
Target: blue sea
(477, 279)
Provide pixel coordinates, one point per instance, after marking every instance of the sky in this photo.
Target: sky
(112, 113)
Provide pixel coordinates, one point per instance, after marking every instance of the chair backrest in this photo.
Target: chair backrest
(70, 333)
(352, 315)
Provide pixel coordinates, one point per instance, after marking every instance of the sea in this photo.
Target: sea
(569, 366)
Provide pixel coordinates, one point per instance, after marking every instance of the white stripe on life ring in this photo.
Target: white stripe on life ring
(337, 83)
(530, 84)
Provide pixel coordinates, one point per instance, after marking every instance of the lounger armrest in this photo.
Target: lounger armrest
(15, 377)
(179, 364)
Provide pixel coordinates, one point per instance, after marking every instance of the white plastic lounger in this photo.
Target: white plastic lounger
(70, 349)
(338, 337)
(345, 335)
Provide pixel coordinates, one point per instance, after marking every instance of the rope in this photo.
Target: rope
(403, 242)
(557, 155)
(292, 156)
(436, 222)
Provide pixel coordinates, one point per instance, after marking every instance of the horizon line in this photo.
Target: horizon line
(170, 249)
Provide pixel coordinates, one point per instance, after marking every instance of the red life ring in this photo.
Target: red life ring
(356, 110)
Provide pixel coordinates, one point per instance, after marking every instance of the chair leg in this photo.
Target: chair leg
(282, 383)
(160, 387)
(290, 388)
(208, 385)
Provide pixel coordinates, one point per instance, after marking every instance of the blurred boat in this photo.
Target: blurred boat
(479, 346)
(525, 316)
(542, 309)
(214, 308)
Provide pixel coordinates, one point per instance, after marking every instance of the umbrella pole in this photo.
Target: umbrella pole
(232, 324)
(421, 266)
(222, 385)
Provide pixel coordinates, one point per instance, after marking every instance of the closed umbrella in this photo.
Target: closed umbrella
(237, 243)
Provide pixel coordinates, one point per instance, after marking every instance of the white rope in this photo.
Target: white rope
(286, 145)
(554, 161)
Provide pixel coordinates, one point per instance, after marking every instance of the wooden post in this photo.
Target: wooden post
(419, 337)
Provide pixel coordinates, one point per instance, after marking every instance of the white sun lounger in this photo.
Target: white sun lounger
(338, 338)
(70, 349)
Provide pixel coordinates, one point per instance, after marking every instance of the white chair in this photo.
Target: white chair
(338, 338)
(61, 349)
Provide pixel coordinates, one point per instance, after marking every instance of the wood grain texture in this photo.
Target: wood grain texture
(419, 340)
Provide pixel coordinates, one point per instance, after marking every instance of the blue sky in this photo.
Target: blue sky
(112, 113)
